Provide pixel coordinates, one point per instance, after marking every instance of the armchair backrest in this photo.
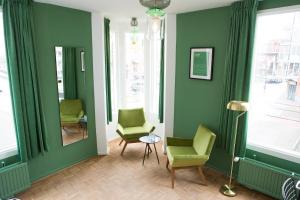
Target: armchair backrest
(70, 106)
(203, 141)
(131, 117)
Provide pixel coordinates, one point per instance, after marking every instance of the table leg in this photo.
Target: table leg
(145, 153)
(82, 130)
(156, 152)
(148, 150)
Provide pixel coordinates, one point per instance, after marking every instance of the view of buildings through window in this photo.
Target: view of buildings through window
(274, 118)
(8, 143)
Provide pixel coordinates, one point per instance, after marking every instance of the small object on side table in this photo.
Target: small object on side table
(150, 139)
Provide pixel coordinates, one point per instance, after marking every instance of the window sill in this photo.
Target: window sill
(9, 152)
(276, 152)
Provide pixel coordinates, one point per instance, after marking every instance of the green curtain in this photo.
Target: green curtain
(161, 82)
(238, 71)
(22, 68)
(69, 72)
(107, 69)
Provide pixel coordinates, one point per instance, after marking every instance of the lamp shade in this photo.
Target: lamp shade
(238, 105)
(155, 24)
(161, 4)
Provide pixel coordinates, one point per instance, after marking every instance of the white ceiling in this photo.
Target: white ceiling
(130, 8)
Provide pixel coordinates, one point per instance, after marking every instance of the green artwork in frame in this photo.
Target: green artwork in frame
(201, 63)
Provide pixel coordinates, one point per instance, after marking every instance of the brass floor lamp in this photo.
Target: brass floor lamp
(243, 107)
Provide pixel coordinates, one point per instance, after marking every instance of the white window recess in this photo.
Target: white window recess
(135, 73)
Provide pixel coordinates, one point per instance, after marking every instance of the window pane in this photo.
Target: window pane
(8, 143)
(274, 118)
(59, 72)
(154, 72)
(134, 72)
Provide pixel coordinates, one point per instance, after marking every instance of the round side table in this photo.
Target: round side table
(150, 139)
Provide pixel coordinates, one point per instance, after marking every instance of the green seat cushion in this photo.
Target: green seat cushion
(69, 118)
(134, 133)
(184, 156)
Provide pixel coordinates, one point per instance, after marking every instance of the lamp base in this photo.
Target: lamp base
(228, 191)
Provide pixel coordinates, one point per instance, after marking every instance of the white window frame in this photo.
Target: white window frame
(269, 150)
(12, 150)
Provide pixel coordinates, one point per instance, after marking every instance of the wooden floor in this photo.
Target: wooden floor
(117, 178)
(72, 134)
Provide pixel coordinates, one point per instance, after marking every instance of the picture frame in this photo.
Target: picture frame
(201, 63)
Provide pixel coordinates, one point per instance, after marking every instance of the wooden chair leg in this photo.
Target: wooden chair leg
(202, 176)
(173, 176)
(167, 165)
(121, 142)
(124, 148)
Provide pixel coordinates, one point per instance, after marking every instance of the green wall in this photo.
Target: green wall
(198, 101)
(195, 101)
(56, 25)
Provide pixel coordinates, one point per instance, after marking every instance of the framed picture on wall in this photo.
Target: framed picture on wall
(201, 63)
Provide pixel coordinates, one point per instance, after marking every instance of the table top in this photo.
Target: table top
(150, 139)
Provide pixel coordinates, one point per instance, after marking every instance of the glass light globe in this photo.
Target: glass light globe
(155, 24)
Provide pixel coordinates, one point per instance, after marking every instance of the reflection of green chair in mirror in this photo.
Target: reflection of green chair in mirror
(132, 125)
(186, 153)
(71, 112)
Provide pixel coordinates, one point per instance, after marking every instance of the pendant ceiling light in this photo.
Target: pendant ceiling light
(134, 30)
(155, 13)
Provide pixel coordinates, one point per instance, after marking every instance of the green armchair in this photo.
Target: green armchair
(186, 153)
(71, 111)
(132, 125)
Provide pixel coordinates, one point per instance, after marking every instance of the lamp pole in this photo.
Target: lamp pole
(233, 152)
(227, 190)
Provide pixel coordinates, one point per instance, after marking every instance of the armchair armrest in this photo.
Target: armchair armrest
(80, 114)
(149, 127)
(120, 129)
(173, 141)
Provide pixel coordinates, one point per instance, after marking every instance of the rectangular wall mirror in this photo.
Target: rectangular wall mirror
(70, 71)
